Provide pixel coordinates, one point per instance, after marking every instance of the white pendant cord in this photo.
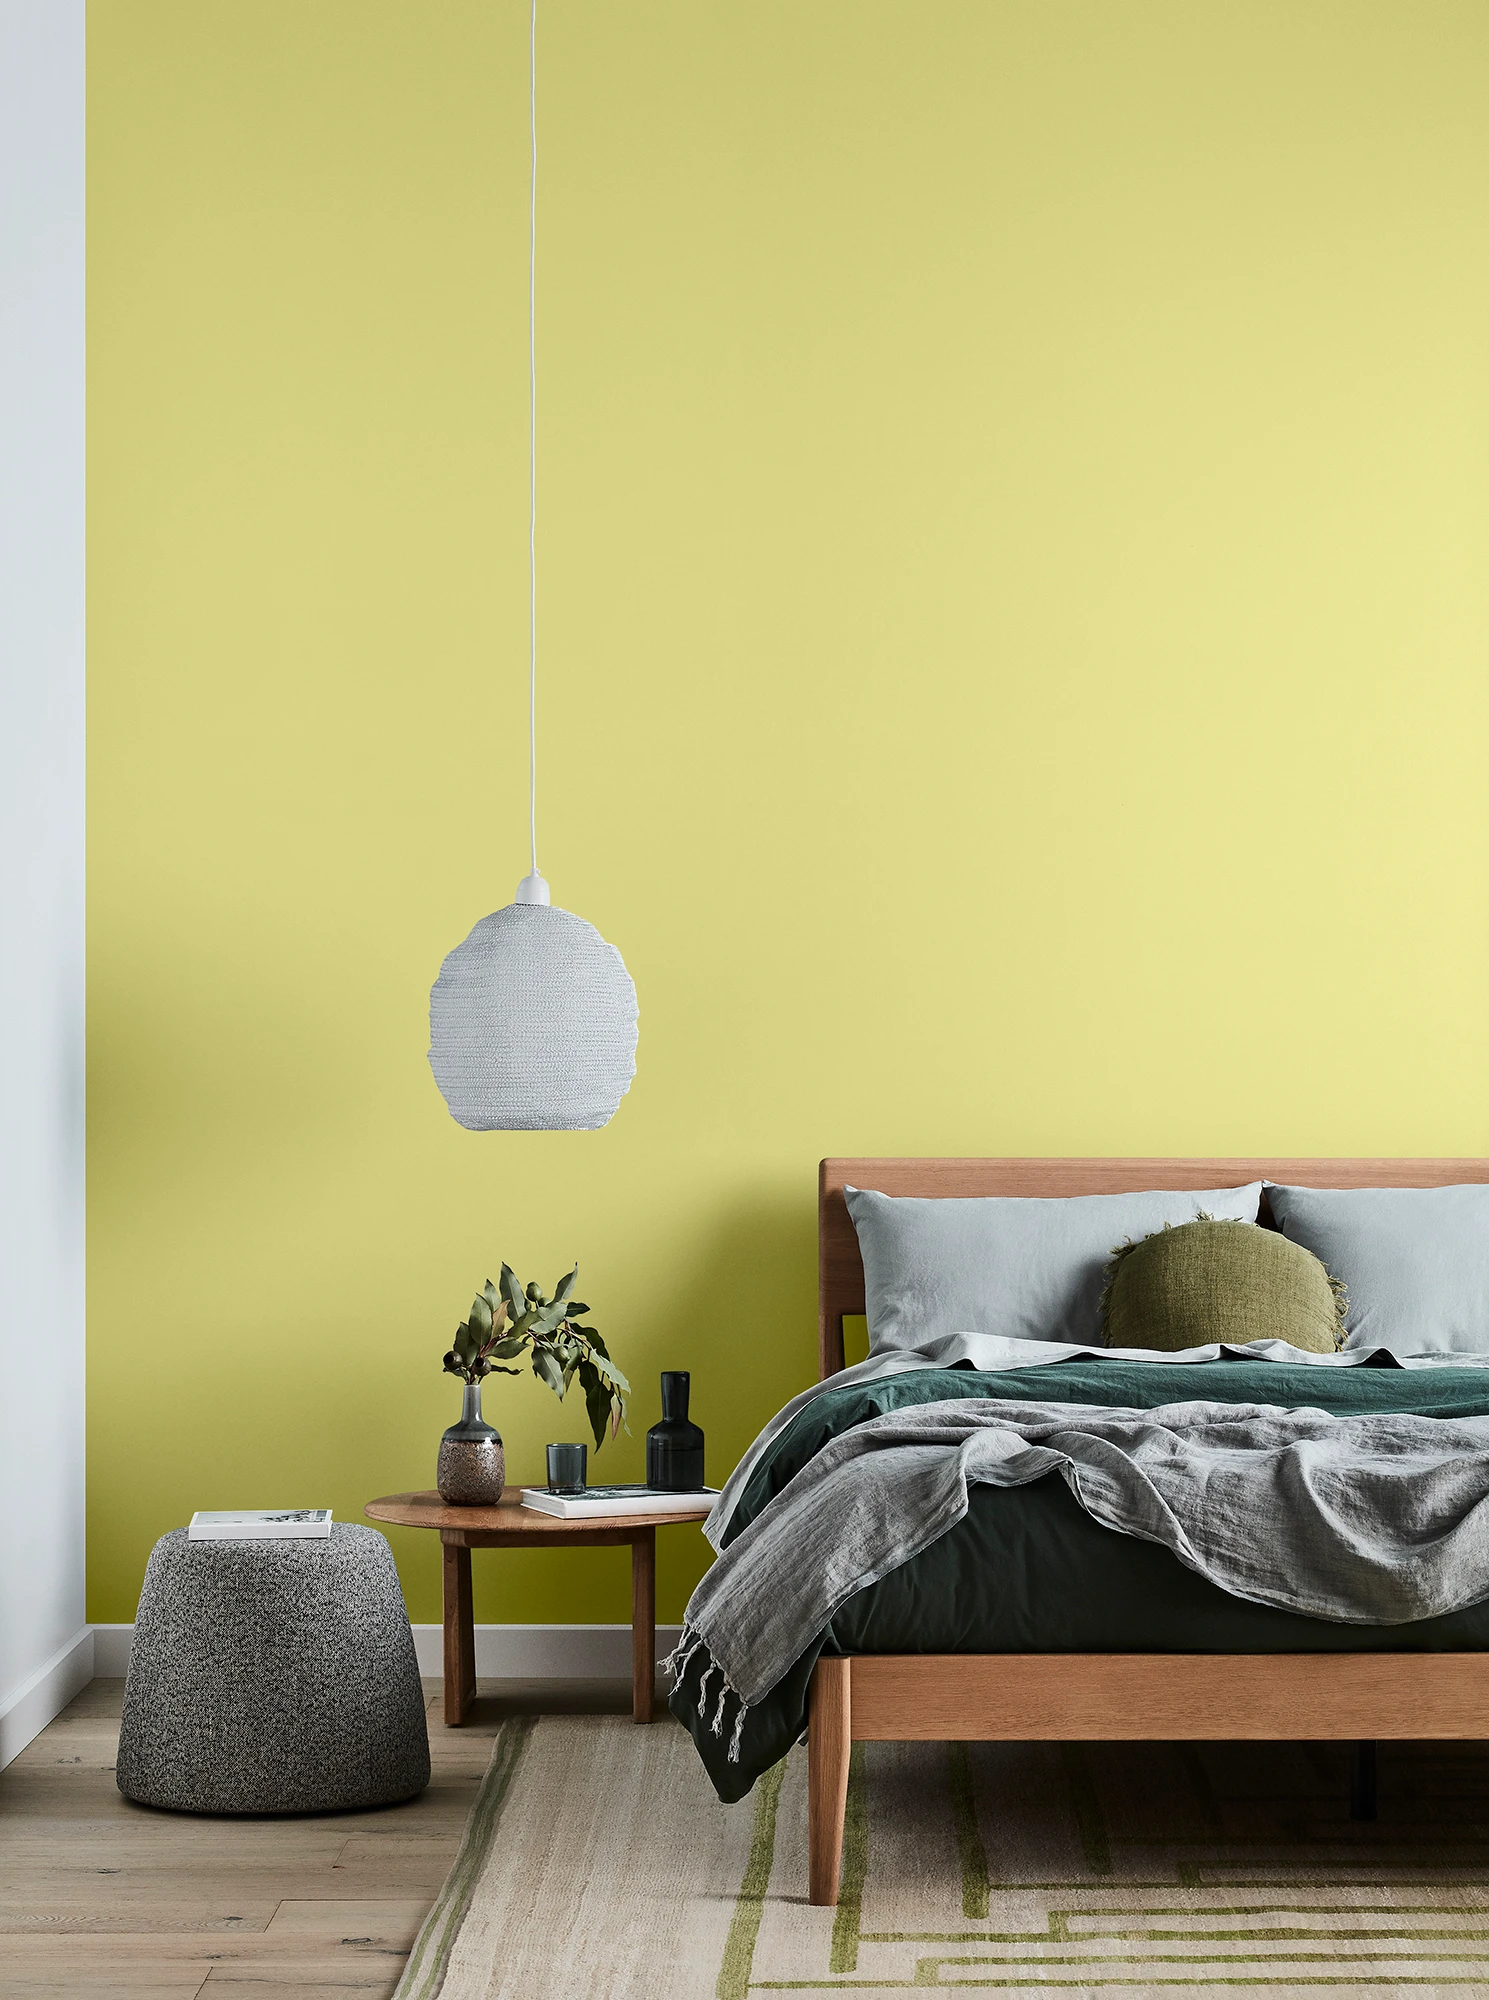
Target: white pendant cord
(532, 439)
(532, 888)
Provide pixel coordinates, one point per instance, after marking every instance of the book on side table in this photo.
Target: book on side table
(601, 1500)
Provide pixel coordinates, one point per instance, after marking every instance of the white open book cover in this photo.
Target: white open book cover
(262, 1524)
(596, 1500)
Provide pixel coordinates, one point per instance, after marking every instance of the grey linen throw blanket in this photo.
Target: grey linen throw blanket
(1364, 1520)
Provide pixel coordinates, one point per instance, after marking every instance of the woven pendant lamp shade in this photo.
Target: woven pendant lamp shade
(532, 1021)
(532, 1024)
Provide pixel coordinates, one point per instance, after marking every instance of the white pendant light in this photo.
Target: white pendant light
(532, 1021)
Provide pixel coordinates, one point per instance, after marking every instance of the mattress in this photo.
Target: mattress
(1028, 1570)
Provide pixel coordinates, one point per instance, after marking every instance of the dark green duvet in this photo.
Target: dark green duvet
(1029, 1571)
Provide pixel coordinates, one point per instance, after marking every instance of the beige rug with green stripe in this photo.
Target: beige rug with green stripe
(598, 1863)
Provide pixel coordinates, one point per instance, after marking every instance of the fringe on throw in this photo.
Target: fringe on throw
(677, 1662)
(1341, 1308)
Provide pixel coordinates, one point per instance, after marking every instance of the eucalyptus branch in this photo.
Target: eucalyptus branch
(511, 1318)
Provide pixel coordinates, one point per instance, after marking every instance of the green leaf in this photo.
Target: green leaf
(565, 1286)
(505, 1349)
(547, 1369)
(480, 1317)
(512, 1290)
(492, 1369)
(466, 1345)
(597, 1404)
(593, 1338)
(577, 1311)
(491, 1295)
(611, 1374)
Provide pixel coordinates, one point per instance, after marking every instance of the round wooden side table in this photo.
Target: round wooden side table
(510, 1525)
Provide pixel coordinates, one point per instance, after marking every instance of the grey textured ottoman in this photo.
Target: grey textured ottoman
(272, 1677)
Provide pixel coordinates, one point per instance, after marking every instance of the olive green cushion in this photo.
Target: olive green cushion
(1207, 1281)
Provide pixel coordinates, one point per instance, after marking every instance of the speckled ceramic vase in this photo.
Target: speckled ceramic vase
(472, 1463)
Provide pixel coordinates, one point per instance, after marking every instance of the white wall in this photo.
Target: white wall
(45, 1649)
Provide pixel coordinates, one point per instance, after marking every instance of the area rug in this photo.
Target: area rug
(599, 1864)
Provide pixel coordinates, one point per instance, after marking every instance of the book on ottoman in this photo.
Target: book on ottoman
(262, 1524)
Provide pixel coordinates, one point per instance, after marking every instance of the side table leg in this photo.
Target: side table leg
(460, 1636)
(643, 1624)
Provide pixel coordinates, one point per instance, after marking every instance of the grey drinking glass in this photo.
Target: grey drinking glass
(566, 1467)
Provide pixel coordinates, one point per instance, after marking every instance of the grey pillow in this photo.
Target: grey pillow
(1023, 1266)
(1415, 1261)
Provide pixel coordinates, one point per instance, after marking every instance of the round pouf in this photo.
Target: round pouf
(272, 1677)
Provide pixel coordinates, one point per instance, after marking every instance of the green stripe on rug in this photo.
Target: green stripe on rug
(970, 1850)
(1089, 1818)
(424, 1974)
(925, 1978)
(739, 1946)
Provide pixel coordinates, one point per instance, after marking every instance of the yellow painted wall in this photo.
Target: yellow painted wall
(1014, 613)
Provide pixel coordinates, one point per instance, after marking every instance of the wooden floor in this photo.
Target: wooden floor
(101, 1897)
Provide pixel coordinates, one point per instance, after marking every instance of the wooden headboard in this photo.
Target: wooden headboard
(840, 1268)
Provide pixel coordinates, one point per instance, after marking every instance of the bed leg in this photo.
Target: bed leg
(1362, 1782)
(829, 1742)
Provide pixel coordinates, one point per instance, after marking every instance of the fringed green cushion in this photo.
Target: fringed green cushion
(1207, 1281)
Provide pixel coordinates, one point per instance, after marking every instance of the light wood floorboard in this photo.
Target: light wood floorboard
(100, 1897)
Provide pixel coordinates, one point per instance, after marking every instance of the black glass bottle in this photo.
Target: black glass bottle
(674, 1447)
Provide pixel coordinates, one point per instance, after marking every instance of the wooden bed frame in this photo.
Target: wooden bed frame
(1063, 1697)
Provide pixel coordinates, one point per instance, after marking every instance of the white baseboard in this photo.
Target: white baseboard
(46, 1693)
(503, 1652)
(544, 1652)
(111, 1644)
